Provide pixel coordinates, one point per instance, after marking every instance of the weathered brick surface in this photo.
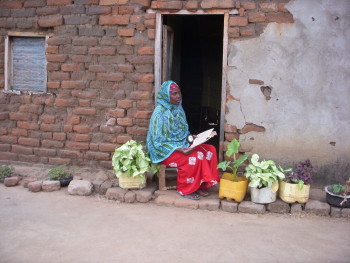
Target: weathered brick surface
(229, 206)
(186, 203)
(35, 186)
(209, 204)
(317, 207)
(11, 181)
(130, 197)
(251, 208)
(50, 186)
(145, 195)
(279, 207)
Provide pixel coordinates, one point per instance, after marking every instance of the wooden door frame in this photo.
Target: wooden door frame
(158, 63)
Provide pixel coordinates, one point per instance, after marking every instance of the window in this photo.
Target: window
(25, 60)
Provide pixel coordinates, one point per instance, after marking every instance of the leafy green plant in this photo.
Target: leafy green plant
(59, 172)
(264, 173)
(338, 188)
(232, 149)
(131, 160)
(5, 171)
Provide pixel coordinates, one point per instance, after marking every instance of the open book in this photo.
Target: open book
(203, 137)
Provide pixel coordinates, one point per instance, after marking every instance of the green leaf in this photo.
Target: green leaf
(300, 184)
(232, 147)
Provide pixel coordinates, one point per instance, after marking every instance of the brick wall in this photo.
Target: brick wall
(100, 58)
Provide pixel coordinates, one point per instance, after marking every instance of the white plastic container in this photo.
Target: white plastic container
(262, 196)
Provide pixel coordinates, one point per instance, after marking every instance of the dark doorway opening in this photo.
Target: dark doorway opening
(196, 65)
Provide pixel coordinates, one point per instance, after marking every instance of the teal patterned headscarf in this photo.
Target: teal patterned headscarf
(168, 128)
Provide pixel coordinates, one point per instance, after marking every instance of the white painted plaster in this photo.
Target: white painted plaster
(307, 64)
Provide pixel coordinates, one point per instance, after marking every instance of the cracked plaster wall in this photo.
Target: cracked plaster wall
(307, 64)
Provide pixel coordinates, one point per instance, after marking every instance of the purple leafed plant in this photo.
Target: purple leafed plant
(303, 172)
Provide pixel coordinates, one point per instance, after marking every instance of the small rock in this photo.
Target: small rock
(130, 197)
(317, 207)
(26, 180)
(104, 186)
(186, 203)
(229, 206)
(35, 186)
(296, 208)
(116, 193)
(345, 212)
(335, 211)
(165, 200)
(279, 207)
(50, 186)
(145, 195)
(209, 204)
(97, 184)
(251, 208)
(80, 187)
(11, 181)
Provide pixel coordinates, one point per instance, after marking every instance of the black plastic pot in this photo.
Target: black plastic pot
(335, 200)
(65, 181)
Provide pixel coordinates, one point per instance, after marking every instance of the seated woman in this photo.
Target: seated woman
(167, 143)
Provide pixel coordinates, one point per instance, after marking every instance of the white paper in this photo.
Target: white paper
(203, 137)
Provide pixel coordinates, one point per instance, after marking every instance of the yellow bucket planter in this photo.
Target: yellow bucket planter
(132, 182)
(233, 190)
(290, 193)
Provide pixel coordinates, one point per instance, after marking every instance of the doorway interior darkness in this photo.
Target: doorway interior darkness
(196, 65)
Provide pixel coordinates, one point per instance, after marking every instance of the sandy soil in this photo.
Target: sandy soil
(56, 227)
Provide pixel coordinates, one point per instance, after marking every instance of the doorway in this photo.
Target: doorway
(192, 53)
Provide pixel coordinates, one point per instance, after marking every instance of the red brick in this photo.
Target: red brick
(103, 51)
(5, 147)
(97, 156)
(123, 139)
(82, 128)
(248, 5)
(231, 136)
(238, 21)
(84, 111)
(59, 75)
(268, 7)
(19, 132)
(72, 67)
(67, 128)
(56, 58)
(51, 21)
(50, 127)
(111, 129)
(110, 76)
(4, 116)
(125, 10)
(37, 109)
(21, 149)
(134, 19)
(27, 125)
(144, 104)
(81, 58)
(53, 84)
(124, 104)
(97, 68)
(143, 114)
(114, 20)
(168, 5)
(150, 23)
(126, 32)
(70, 154)
(145, 86)
(247, 31)
(251, 127)
(140, 95)
(29, 141)
(20, 116)
(29, 158)
(48, 119)
(82, 138)
(142, 60)
(144, 3)
(59, 3)
(85, 94)
(282, 7)
(85, 41)
(73, 84)
(59, 136)
(118, 113)
(280, 18)
(145, 51)
(256, 82)
(256, 17)
(125, 68)
(52, 144)
(94, 146)
(151, 34)
(140, 27)
(45, 152)
(137, 131)
(106, 147)
(135, 41)
(8, 156)
(65, 102)
(77, 145)
(233, 32)
(73, 120)
(3, 131)
(191, 5)
(113, 2)
(84, 103)
(11, 5)
(52, 49)
(125, 121)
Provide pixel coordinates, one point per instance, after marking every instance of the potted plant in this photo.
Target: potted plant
(263, 179)
(338, 194)
(131, 164)
(233, 186)
(295, 187)
(61, 174)
(5, 171)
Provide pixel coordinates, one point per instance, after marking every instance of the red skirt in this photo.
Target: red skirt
(197, 170)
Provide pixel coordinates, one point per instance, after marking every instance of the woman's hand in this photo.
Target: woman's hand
(185, 150)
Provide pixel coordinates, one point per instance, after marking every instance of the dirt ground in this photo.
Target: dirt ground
(57, 227)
